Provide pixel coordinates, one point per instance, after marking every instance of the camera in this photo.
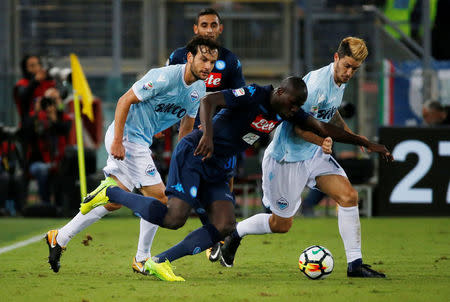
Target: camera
(62, 77)
(47, 102)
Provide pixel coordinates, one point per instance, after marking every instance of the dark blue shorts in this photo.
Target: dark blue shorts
(196, 182)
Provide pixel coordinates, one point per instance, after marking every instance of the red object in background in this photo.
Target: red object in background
(38, 92)
(92, 131)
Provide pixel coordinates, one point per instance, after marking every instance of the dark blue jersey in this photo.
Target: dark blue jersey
(247, 118)
(227, 72)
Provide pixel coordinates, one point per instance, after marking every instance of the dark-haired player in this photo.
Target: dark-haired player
(163, 97)
(227, 74)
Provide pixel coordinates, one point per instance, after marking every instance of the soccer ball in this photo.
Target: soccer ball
(316, 262)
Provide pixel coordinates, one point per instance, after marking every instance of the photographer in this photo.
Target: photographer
(33, 84)
(51, 126)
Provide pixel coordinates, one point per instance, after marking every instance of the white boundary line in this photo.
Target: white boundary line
(22, 243)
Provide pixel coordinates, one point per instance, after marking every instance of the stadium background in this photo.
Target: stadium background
(117, 41)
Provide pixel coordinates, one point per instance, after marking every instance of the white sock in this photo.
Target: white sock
(78, 223)
(146, 235)
(257, 225)
(350, 230)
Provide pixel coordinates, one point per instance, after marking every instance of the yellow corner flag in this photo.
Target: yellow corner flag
(81, 87)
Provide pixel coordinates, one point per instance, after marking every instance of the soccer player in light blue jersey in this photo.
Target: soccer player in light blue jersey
(160, 99)
(291, 162)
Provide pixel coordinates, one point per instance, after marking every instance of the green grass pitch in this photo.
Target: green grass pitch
(413, 252)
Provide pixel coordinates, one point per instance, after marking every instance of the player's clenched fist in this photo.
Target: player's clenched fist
(327, 145)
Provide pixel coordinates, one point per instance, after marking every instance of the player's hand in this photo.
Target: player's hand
(373, 147)
(205, 147)
(327, 145)
(118, 150)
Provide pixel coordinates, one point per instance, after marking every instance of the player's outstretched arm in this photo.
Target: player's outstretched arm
(120, 117)
(325, 143)
(340, 135)
(208, 106)
(186, 126)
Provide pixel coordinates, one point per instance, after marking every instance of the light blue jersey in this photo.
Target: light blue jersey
(324, 99)
(165, 98)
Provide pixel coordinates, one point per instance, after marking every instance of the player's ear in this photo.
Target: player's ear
(190, 57)
(220, 28)
(336, 57)
(280, 90)
(195, 29)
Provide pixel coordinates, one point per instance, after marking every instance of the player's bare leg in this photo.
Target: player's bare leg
(339, 188)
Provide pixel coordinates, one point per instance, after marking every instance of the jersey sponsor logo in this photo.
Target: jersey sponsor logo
(171, 108)
(282, 203)
(220, 65)
(263, 125)
(327, 113)
(238, 92)
(194, 96)
(151, 170)
(213, 80)
(250, 138)
(314, 110)
(147, 86)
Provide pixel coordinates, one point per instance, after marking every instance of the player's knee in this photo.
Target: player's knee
(174, 221)
(349, 198)
(277, 226)
(112, 206)
(226, 228)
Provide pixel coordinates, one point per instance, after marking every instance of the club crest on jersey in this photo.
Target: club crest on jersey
(220, 65)
(213, 80)
(282, 203)
(263, 125)
(147, 86)
(194, 96)
(238, 92)
(314, 110)
(151, 170)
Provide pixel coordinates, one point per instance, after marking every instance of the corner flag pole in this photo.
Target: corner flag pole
(80, 147)
(80, 88)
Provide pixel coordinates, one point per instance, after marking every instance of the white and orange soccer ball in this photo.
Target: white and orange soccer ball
(316, 262)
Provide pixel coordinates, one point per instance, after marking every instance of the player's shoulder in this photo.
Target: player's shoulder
(178, 56)
(253, 91)
(227, 55)
(317, 78)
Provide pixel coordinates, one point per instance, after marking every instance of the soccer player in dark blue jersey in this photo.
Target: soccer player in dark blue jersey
(203, 161)
(227, 72)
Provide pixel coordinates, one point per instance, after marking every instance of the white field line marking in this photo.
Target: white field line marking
(22, 243)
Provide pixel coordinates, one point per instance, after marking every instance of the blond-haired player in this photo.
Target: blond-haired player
(291, 162)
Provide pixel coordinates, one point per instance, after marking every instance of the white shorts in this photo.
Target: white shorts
(283, 182)
(137, 169)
